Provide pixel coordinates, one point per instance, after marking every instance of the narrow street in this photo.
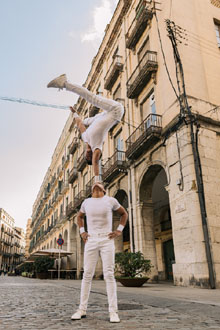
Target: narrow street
(48, 304)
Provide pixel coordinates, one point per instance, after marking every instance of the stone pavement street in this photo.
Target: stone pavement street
(48, 304)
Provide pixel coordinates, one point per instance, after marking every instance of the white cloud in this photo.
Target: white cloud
(101, 16)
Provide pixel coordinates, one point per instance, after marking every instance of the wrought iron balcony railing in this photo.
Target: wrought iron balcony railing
(65, 187)
(142, 74)
(81, 164)
(66, 161)
(114, 70)
(89, 187)
(73, 175)
(138, 25)
(79, 199)
(62, 217)
(145, 135)
(74, 145)
(70, 209)
(114, 166)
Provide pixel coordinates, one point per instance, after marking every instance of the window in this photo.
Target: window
(148, 107)
(118, 144)
(117, 93)
(139, 9)
(75, 157)
(75, 190)
(217, 31)
(118, 141)
(145, 47)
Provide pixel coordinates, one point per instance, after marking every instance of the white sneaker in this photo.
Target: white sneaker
(78, 315)
(114, 318)
(58, 82)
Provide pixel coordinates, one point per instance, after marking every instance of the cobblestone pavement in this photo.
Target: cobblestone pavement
(48, 304)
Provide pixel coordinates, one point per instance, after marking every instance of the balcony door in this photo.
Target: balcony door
(119, 145)
(149, 107)
(144, 48)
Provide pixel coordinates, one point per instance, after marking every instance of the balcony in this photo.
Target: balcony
(81, 164)
(115, 68)
(89, 187)
(79, 199)
(73, 175)
(70, 209)
(53, 180)
(73, 146)
(146, 135)
(138, 25)
(62, 217)
(114, 166)
(65, 187)
(142, 74)
(7, 255)
(65, 162)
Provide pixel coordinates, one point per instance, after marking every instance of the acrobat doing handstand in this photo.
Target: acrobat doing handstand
(98, 126)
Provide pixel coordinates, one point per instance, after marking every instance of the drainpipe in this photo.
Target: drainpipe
(129, 170)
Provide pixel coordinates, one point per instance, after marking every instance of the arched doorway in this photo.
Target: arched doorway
(157, 239)
(123, 244)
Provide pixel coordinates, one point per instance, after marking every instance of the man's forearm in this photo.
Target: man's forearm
(80, 221)
(123, 219)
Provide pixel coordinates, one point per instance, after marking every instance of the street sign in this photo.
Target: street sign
(60, 241)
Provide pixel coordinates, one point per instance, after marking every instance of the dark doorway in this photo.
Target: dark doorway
(169, 258)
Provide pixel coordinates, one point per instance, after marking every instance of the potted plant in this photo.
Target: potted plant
(131, 268)
(41, 266)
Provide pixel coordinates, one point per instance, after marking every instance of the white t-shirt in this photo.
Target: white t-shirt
(98, 213)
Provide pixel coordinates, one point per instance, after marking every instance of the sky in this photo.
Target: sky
(40, 40)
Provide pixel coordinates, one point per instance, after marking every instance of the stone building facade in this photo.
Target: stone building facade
(12, 242)
(161, 163)
(27, 238)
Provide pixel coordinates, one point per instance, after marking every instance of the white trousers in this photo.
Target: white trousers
(100, 124)
(103, 246)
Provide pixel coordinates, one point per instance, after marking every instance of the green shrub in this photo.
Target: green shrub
(131, 264)
(42, 264)
(27, 267)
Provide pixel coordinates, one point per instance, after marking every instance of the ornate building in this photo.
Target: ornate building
(12, 242)
(162, 161)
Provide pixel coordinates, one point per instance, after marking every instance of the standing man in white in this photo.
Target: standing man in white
(99, 239)
(99, 125)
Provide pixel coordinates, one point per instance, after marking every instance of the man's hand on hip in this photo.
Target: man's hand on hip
(85, 236)
(114, 234)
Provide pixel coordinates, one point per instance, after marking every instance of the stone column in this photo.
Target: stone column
(68, 236)
(145, 228)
